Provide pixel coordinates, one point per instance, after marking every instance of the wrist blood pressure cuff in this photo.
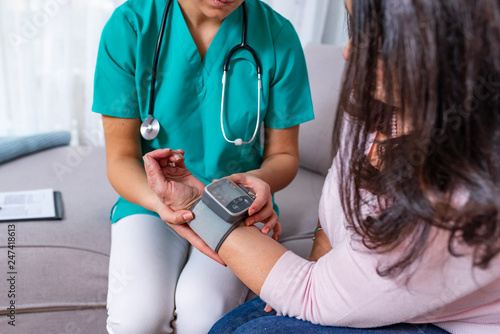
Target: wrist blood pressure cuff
(209, 226)
(221, 209)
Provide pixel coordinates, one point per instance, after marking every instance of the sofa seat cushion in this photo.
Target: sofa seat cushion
(298, 204)
(63, 264)
(79, 321)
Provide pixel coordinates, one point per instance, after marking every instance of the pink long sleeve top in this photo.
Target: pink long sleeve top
(343, 288)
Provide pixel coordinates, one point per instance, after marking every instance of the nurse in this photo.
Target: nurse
(158, 282)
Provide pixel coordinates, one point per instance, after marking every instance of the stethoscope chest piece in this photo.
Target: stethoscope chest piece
(150, 128)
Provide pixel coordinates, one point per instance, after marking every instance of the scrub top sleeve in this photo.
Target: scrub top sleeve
(290, 101)
(115, 92)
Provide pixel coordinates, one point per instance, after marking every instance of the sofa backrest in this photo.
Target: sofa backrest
(325, 65)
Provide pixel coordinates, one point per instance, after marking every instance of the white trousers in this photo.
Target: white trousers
(158, 283)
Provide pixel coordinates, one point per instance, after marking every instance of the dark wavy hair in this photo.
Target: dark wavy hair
(441, 60)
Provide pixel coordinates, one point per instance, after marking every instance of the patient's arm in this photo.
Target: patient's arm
(251, 255)
(178, 189)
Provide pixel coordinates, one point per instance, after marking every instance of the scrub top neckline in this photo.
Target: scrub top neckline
(228, 31)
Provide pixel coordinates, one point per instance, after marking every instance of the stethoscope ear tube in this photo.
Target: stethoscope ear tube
(243, 45)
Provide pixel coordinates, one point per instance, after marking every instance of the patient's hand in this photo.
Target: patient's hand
(171, 181)
(177, 190)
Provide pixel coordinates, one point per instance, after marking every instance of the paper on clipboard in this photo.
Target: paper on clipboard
(40, 204)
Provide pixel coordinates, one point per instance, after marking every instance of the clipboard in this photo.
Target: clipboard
(31, 205)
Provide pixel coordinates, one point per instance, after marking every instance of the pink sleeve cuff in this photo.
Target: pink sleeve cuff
(286, 277)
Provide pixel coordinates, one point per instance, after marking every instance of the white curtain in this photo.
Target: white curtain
(48, 50)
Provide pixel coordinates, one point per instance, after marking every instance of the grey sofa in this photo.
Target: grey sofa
(62, 266)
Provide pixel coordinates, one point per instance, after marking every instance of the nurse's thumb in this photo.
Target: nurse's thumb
(187, 216)
(181, 217)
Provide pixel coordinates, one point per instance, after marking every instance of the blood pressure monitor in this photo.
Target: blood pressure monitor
(227, 199)
(221, 208)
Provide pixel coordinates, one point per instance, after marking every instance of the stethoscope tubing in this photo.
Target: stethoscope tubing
(155, 60)
(239, 141)
(243, 44)
(151, 127)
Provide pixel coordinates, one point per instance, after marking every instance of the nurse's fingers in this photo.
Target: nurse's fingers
(263, 196)
(262, 215)
(260, 188)
(272, 224)
(187, 233)
(277, 231)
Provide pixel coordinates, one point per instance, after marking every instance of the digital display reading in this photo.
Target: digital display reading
(225, 193)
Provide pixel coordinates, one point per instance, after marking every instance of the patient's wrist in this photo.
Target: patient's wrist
(222, 207)
(160, 203)
(192, 202)
(210, 227)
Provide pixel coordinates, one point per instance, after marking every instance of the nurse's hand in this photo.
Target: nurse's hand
(262, 208)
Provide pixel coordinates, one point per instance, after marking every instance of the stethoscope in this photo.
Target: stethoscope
(151, 127)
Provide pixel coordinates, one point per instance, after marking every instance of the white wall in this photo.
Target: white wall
(316, 21)
(336, 24)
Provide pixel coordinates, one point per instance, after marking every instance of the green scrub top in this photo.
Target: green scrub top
(189, 88)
